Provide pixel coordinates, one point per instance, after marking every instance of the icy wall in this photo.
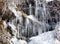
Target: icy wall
(28, 19)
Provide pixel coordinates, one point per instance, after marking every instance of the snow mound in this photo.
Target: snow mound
(45, 38)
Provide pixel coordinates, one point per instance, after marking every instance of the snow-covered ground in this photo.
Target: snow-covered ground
(45, 38)
(48, 0)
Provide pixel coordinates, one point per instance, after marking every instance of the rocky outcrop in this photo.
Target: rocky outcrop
(4, 34)
(54, 10)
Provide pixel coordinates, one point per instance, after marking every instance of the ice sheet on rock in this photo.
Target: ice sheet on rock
(13, 28)
(45, 38)
(31, 17)
(12, 8)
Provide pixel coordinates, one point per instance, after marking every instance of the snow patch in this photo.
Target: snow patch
(45, 38)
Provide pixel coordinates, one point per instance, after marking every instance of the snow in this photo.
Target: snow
(45, 38)
(21, 42)
(16, 41)
(57, 42)
(48, 0)
(5, 25)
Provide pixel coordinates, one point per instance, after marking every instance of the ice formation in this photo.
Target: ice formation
(29, 25)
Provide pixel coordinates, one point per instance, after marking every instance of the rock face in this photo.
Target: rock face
(8, 15)
(1, 6)
(4, 34)
(54, 10)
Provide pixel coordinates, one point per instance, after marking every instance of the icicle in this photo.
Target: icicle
(30, 9)
(36, 9)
